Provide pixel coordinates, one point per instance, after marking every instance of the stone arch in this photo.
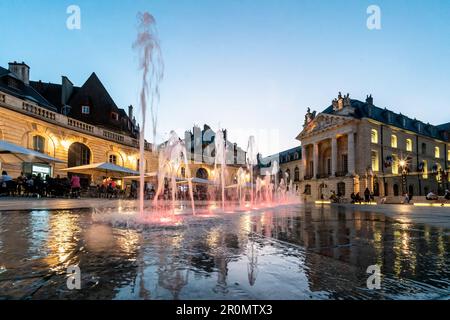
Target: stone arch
(79, 154)
(202, 173)
(50, 144)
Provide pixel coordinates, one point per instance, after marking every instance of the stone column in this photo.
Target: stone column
(333, 156)
(303, 169)
(351, 153)
(316, 159)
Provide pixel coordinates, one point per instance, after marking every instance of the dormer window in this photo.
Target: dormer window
(85, 109)
(114, 116)
(2, 98)
(404, 122)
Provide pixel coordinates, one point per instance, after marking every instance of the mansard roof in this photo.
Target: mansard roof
(22, 90)
(388, 117)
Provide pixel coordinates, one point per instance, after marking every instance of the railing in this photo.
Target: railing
(34, 110)
(341, 173)
(113, 136)
(322, 175)
(308, 177)
(42, 112)
(80, 125)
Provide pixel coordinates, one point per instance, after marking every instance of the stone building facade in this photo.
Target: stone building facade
(354, 145)
(69, 128)
(290, 165)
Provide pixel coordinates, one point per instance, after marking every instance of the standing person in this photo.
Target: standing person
(75, 186)
(367, 195)
(21, 180)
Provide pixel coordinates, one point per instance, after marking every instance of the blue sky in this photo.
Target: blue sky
(252, 66)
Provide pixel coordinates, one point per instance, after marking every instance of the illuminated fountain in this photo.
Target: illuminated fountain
(250, 194)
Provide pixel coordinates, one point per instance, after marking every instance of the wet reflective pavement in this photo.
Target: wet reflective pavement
(291, 252)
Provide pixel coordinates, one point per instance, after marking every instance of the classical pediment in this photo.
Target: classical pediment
(323, 122)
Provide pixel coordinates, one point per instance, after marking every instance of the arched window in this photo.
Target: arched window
(393, 141)
(288, 176)
(183, 172)
(39, 144)
(374, 136)
(79, 154)
(112, 159)
(437, 152)
(409, 146)
(296, 174)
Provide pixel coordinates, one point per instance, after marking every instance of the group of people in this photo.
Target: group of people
(367, 198)
(431, 196)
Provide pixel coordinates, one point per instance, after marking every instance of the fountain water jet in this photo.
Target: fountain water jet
(152, 66)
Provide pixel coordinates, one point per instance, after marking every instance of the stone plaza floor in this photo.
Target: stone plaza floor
(285, 252)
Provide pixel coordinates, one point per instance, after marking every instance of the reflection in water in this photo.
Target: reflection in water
(290, 252)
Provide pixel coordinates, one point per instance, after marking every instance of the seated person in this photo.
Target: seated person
(431, 196)
(447, 195)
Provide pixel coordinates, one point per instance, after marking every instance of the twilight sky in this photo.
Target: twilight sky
(251, 66)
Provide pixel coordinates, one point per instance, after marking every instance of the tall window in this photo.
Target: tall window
(394, 164)
(425, 169)
(374, 157)
(393, 141)
(344, 163)
(341, 189)
(39, 144)
(183, 172)
(424, 148)
(113, 159)
(307, 189)
(409, 146)
(448, 155)
(374, 136)
(437, 152)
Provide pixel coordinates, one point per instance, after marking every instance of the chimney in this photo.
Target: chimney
(369, 100)
(21, 70)
(130, 111)
(66, 90)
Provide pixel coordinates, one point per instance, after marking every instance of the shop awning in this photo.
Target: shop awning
(13, 153)
(102, 167)
(147, 176)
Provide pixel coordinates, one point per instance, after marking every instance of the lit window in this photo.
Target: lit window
(374, 156)
(85, 109)
(448, 155)
(113, 159)
(39, 144)
(409, 146)
(437, 152)
(425, 169)
(394, 141)
(394, 164)
(374, 136)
